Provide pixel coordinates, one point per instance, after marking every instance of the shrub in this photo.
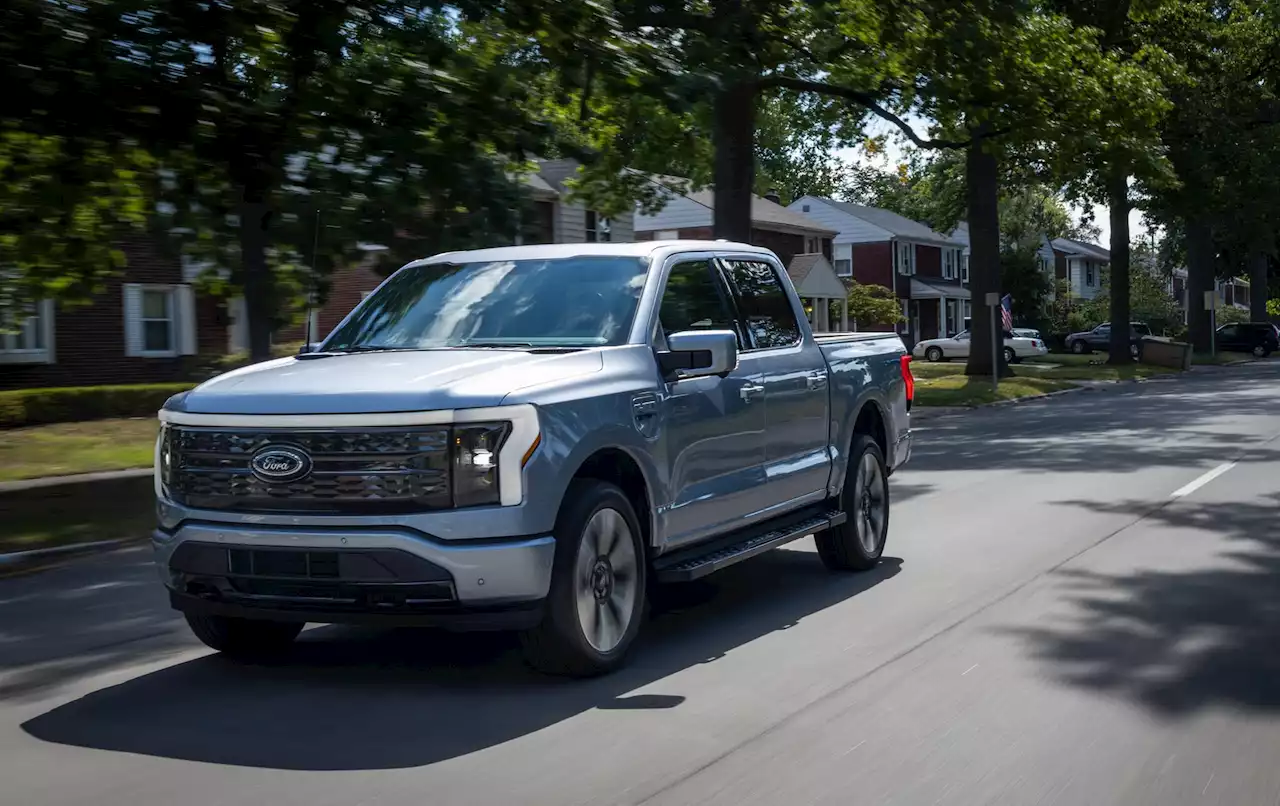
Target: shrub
(79, 403)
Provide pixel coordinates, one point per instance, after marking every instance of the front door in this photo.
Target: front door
(797, 461)
(712, 444)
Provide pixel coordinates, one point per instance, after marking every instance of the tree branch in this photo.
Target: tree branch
(865, 100)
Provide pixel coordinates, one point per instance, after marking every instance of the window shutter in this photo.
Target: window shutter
(185, 301)
(132, 319)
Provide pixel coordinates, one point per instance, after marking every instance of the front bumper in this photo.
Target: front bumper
(349, 575)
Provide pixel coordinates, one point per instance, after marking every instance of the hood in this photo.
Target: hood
(372, 383)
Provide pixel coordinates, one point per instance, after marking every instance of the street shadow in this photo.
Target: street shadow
(348, 699)
(1115, 429)
(1177, 641)
(83, 618)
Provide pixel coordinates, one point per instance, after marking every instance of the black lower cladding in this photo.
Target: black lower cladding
(344, 580)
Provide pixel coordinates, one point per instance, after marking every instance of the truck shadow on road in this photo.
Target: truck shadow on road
(346, 699)
(1177, 640)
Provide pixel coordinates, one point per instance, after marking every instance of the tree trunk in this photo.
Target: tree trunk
(735, 165)
(1200, 279)
(982, 182)
(1118, 200)
(259, 290)
(1258, 262)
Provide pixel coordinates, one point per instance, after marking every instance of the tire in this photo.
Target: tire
(1261, 351)
(856, 544)
(595, 585)
(242, 638)
(1010, 357)
(1079, 347)
(933, 354)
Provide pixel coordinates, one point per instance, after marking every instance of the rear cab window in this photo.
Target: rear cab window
(762, 302)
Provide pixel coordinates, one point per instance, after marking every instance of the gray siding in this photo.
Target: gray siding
(851, 229)
(679, 212)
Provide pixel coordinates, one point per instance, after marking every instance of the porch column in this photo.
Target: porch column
(844, 314)
(822, 313)
(944, 328)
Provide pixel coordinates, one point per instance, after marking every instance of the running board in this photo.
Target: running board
(683, 566)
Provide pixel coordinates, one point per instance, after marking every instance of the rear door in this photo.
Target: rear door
(712, 443)
(797, 462)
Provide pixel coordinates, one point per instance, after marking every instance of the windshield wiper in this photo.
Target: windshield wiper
(498, 345)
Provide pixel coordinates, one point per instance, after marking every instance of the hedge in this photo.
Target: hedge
(78, 403)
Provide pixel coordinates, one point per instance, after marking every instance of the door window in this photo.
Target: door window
(694, 300)
(1229, 333)
(762, 303)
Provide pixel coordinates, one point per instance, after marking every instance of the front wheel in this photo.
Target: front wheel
(246, 639)
(1261, 351)
(1009, 355)
(856, 544)
(1079, 347)
(933, 354)
(597, 596)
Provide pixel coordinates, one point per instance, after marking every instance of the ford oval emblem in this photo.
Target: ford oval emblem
(280, 463)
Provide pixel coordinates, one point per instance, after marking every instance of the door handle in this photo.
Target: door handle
(749, 391)
(644, 406)
(817, 380)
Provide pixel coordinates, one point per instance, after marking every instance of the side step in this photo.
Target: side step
(698, 561)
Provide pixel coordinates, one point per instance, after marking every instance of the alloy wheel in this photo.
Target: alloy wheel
(606, 580)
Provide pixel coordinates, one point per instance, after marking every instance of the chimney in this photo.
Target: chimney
(772, 195)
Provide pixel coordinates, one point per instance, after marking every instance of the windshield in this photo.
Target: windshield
(561, 302)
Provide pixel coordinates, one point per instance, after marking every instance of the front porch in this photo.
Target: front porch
(936, 309)
(818, 286)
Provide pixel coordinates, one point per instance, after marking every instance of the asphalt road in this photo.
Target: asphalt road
(1078, 605)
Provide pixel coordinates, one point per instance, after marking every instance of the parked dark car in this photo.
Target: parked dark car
(1259, 338)
(1100, 337)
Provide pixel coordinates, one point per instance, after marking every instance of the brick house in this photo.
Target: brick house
(690, 216)
(802, 244)
(555, 220)
(924, 268)
(145, 326)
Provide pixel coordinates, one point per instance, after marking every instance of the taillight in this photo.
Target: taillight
(905, 363)
(1034, 345)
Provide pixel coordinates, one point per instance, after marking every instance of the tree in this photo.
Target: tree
(392, 122)
(871, 304)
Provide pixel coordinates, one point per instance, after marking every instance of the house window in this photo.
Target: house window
(812, 246)
(905, 259)
(844, 267)
(159, 320)
(949, 259)
(964, 268)
(598, 230)
(1088, 273)
(32, 342)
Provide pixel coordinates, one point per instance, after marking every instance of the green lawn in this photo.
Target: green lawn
(68, 448)
(1053, 368)
(957, 389)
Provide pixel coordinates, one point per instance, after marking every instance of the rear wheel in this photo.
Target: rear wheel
(1009, 355)
(1261, 351)
(247, 639)
(933, 354)
(597, 597)
(856, 544)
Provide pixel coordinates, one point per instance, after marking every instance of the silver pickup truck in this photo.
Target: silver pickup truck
(527, 438)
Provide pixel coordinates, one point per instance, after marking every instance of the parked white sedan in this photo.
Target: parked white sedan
(1015, 349)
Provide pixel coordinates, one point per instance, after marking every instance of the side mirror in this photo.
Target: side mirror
(698, 353)
(309, 348)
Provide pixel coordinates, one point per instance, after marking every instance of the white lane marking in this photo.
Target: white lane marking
(970, 669)
(855, 747)
(1203, 480)
(1206, 786)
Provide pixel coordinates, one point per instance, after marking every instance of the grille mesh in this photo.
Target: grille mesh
(357, 471)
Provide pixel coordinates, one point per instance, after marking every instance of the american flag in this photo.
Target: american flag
(1006, 312)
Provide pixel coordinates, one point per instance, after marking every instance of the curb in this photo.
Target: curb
(23, 485)
(16, 562)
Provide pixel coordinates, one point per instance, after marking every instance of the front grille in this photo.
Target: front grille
(365, 471)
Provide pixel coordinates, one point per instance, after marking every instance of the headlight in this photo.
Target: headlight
(164, 457)
(475, 463)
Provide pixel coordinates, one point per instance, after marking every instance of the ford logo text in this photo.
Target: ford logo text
(277, 463)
